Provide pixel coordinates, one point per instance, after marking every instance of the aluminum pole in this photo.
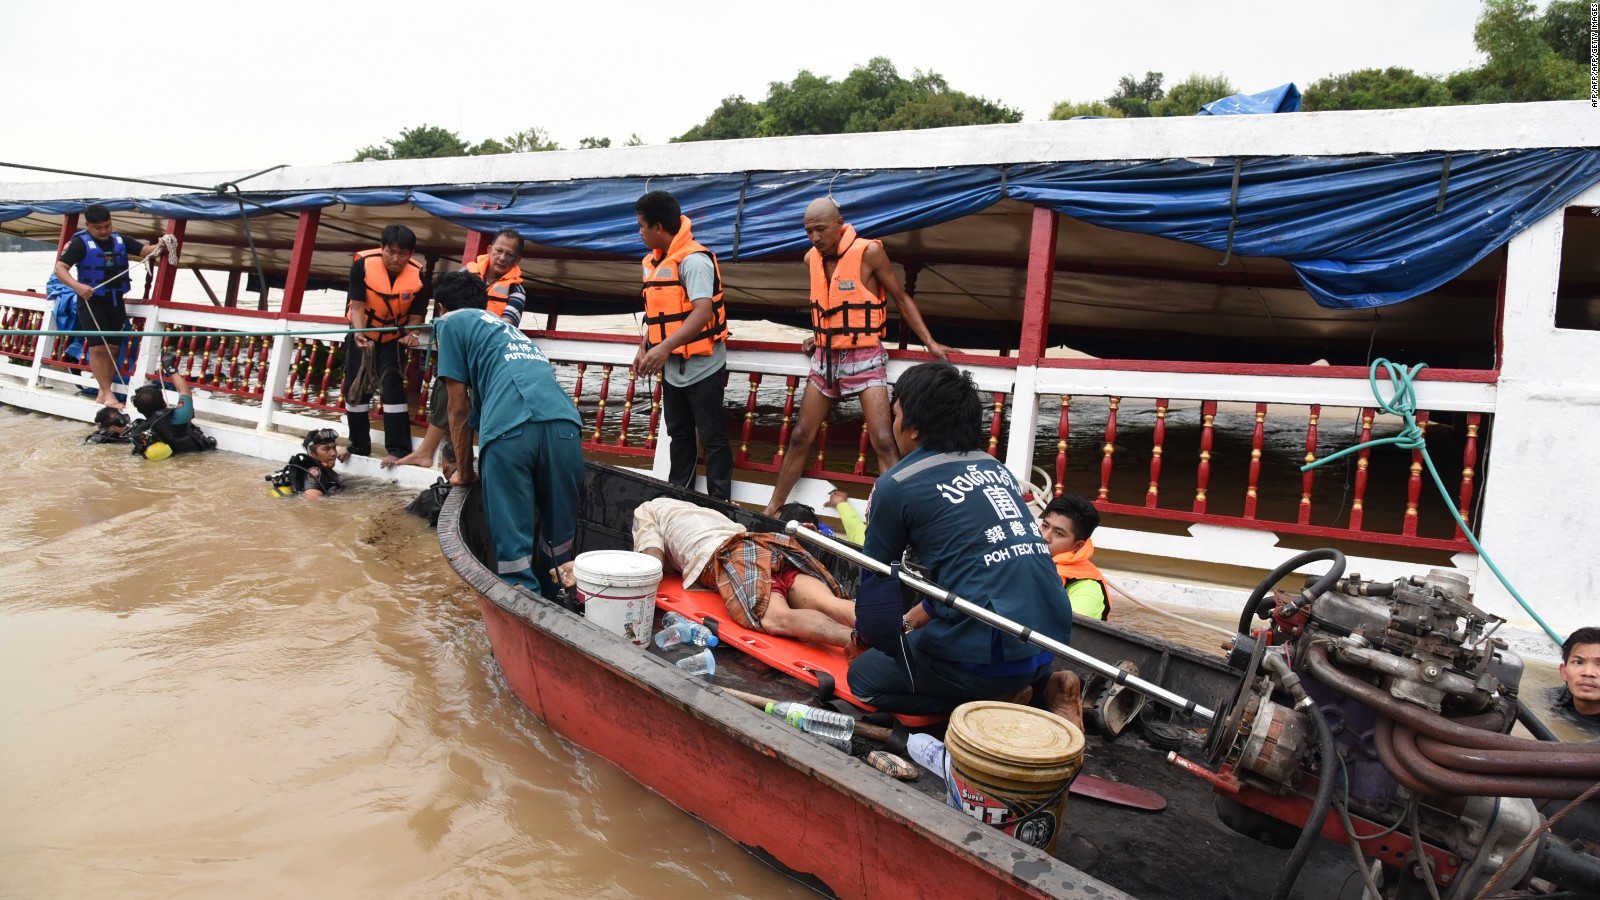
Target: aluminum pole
(994, 620)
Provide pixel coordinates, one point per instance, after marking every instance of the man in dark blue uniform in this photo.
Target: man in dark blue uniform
(963, 515)
(101, 257)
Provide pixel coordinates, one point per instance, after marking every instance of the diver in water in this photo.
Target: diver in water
(112, 427)
(310, 473)
(167, 429)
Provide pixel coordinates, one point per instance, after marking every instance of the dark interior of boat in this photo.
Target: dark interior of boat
(1181, 851)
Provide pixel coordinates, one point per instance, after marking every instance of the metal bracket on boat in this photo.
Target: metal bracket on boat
(994, 620)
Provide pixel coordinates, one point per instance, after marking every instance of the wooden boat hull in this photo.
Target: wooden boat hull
(829, 820)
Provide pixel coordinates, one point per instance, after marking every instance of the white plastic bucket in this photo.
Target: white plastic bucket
(618, 591)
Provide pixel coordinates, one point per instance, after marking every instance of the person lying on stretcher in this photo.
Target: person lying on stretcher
(768, 581)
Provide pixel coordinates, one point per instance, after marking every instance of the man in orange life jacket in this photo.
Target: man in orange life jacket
(501, 271)
(686, 331)
(850, 280)
(386, 288)
(1067, 524)
(100, 255)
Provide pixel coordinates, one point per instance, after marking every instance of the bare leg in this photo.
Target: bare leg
(812, 593)
(806, 624)
(100, 365)
(814, 409)
(423, 455)
(876, 415)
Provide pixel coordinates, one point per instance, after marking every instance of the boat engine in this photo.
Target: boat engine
(1378, 714)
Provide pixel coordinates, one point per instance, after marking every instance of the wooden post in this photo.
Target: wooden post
(1256, 439)
(1063, 431)
(627, 407)
(1202, 478)
(1153, 493)
(69, 227)
(305, 243)
(1040, 283)
(1309, 477)
(1363, 460)
(1414, 485)
(231, 297)
(1469, 460)
(600, 410)
(749, 419)
(1109, 448)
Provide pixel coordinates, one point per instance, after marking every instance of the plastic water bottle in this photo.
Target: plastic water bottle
(672, 618)
(684, 632)
(702, 663)
(928, 752)
(833, 728)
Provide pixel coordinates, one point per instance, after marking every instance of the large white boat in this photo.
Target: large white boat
(1170, 315)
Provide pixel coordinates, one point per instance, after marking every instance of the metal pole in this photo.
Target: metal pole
(994, 620)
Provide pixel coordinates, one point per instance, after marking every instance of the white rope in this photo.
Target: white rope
(168, 242)
(1228, 632)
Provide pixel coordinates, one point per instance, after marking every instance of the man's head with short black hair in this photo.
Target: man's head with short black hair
(96, 213)
(1068, 521)
(509, 234)
(399, 237)
(460, 290)
(799, 512)
(1586, 635)
(659, 208)
(149, 400)
(940, 403)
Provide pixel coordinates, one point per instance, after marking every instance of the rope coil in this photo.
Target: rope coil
(1402, 402)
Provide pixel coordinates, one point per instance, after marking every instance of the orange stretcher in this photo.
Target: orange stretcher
(788, 655)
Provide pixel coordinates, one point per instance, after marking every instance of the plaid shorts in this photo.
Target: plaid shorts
(845, 373)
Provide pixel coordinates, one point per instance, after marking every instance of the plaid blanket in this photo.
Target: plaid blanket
(744, 567)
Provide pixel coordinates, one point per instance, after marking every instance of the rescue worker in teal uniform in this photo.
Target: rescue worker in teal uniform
(500, 384)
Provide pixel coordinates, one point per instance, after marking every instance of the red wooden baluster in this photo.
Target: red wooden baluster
(8, 321)
(861, 450)
(1309, 477)
(600, 410)
(655, 416)
(577, 387)
(294, 369)
(788, 418)
(1256, 439)
(1153, 494)
(996, 422)
(820, 462)
(1469, 459)
(1414, 485)
(627, 407)
(327, 374)
(1109, 448)
(1062, 431)
(1363, 459)
(1202, 475)
(749, 419)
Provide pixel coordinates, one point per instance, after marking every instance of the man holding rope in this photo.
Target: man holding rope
(386, 291)
(101, 257)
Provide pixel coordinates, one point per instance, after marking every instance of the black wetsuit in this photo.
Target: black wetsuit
(303, 473)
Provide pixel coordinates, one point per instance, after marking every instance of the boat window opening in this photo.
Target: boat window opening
(1578, 286)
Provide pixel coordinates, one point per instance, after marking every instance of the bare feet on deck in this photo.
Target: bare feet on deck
(410, 459)
(1063, 695)
(107, 398)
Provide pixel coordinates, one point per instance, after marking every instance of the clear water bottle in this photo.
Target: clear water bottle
(928, 752)
(684, 632)
(833, 728)
(702, 663)
(672, 618)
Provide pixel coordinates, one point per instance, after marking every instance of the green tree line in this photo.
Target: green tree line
(1529, 55)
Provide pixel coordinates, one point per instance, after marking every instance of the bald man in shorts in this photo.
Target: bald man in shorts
(851, 282)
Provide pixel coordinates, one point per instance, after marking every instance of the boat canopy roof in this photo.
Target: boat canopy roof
(1357, 210)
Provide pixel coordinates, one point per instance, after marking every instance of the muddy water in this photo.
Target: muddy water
(208, 692)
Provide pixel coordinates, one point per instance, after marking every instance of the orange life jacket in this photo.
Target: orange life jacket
(666, 302)
(500, 290)
(844, 314)
(1074, 566)
(388, 300)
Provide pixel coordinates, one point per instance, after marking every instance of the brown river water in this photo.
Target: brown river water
(212, 693)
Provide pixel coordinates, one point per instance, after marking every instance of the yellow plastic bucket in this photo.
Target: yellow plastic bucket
(1010, 767)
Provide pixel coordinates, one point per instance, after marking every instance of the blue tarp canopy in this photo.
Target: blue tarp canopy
(1360, 231)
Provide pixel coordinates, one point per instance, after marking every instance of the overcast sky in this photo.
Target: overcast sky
(230, 85)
